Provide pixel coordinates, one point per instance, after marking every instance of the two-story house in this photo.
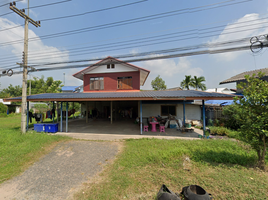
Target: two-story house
(111, 90)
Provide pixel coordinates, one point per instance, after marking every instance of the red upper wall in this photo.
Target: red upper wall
(110, 81)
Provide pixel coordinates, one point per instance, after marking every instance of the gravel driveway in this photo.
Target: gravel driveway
(60, 173)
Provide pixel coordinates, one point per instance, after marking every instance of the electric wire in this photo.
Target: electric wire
(94, 11)
(119, 23)
(119, 44)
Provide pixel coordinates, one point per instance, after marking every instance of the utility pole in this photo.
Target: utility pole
(25, 62)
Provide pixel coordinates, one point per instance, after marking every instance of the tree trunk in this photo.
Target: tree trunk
(261, 156)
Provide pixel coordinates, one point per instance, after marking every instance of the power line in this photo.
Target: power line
(145, 40)
(125, 22)
(94, 11)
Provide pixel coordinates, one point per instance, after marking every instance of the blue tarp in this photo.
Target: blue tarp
(220, 102)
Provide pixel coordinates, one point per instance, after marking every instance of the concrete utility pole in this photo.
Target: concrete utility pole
(25, 62)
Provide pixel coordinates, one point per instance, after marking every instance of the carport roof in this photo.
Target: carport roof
(127, 96)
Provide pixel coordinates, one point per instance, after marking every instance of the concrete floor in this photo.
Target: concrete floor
(99, 129)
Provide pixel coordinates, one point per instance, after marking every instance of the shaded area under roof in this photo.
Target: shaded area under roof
(127, 96)
(240, 77)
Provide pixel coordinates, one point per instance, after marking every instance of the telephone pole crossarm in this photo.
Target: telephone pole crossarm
(23, 15)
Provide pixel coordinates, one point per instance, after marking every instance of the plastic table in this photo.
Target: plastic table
(154, 126)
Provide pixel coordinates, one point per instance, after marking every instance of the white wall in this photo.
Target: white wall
(117, 68)
(192, 112)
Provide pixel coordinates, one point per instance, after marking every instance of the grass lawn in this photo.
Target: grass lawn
(222, 167)
(18, 151)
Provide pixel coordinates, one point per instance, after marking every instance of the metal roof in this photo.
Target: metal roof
(240, 77)
(124, 96)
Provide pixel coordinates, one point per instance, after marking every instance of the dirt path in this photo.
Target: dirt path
(60, 173)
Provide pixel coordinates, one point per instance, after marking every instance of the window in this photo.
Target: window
(168, 110)
(124, 83)
(96, 83)
(109, 66)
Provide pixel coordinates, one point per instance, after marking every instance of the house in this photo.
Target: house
(111, 90)
(65, 89)
(240, 78)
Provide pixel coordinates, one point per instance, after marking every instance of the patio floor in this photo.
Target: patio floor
(100, 129)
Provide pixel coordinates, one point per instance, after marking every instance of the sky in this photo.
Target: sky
(76, 30)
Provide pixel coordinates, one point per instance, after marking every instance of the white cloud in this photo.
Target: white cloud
(170, 71)
(38, 51)
(247, 26)
(169, 68)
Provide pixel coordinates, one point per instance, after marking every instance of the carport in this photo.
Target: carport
(180, 96)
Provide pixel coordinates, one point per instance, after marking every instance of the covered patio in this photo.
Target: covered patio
(102, 130)
(182, 97)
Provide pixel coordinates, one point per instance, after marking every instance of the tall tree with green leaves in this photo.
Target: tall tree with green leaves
(197, 83)
(41, 85)
(38, 86)
(187, 82)
(251, 112)
(158, 83)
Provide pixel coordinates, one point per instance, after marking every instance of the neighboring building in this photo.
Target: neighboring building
(221, 90)
(11, 107)
(240, 78)
(67, 89)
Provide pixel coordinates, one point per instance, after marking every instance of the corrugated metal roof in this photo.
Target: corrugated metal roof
(179, 94)
(240, 77)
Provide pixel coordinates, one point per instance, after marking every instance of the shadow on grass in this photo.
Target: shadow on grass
(213, 157)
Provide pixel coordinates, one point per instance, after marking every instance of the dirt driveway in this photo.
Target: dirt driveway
(61, 172)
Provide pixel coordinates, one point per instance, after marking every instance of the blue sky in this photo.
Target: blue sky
(199, 22)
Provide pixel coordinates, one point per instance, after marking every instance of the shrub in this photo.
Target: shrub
(3, 108)
(219, 130)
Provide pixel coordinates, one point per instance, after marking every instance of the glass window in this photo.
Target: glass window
(168, 110)
(96, 83)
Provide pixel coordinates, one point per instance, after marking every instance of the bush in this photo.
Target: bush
(3, 108)
(219, 130)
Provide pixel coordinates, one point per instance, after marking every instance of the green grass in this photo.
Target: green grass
(18, 151)
(221, 167)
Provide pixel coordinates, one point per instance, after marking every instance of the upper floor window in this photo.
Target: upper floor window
(124, 83)
(109, 66)
(96, 83)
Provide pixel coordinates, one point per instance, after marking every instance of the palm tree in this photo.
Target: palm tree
(197, 83)
(187, 83)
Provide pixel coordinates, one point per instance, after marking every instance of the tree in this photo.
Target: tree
(39, 86)
(158, 83)
(197, 83)
(252, 114)
(11, 91)
(187, 82)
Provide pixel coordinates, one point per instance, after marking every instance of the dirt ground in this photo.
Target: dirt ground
(59, 174)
